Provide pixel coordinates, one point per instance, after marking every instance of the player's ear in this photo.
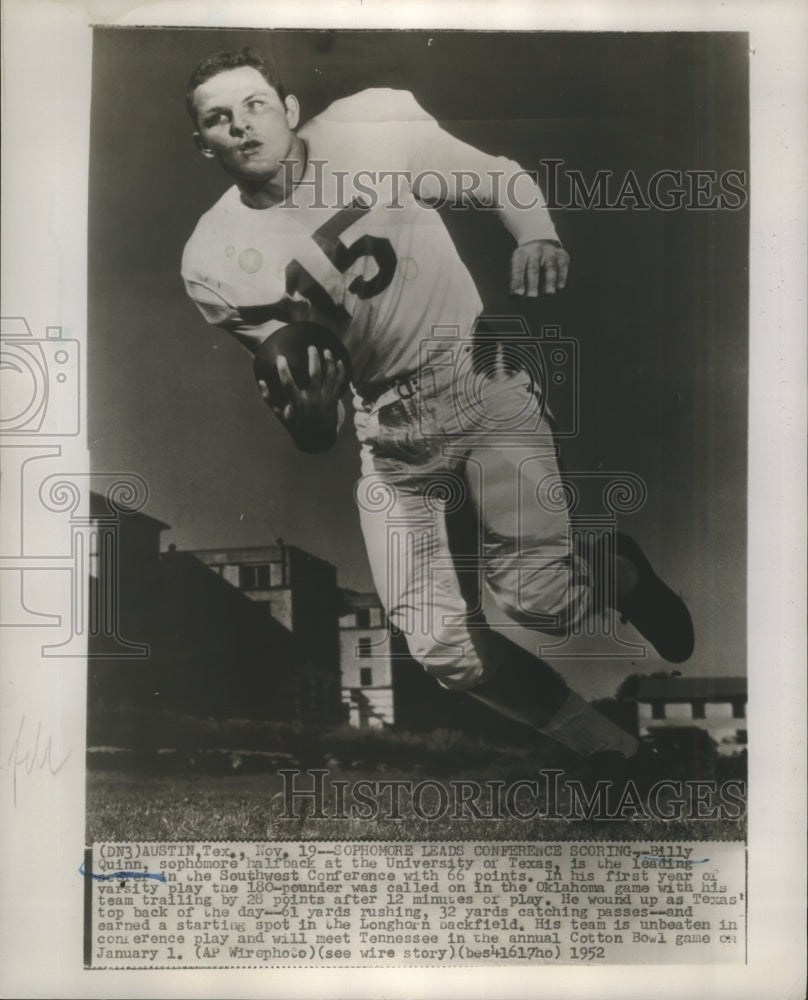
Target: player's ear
(292, 111)
(203, 149)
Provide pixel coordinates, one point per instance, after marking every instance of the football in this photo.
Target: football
(293, 341)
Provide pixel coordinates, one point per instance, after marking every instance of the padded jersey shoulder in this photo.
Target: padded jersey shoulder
(377, 104)
(209, 226)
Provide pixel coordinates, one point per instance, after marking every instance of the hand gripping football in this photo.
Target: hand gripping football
(293, 341)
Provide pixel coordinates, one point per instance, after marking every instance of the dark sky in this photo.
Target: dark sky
(657, 301)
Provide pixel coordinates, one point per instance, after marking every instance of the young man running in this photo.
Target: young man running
(333, 222)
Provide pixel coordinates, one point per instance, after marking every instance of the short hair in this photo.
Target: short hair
(220, 62)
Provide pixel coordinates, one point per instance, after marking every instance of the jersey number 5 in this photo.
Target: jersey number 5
(300, 281)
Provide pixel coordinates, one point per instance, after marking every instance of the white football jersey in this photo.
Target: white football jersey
(356, 246)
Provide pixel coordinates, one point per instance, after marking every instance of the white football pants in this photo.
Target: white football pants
(428, 445)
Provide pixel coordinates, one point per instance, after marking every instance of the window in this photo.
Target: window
(253, 577)
(93, 553)
(365, 676)
(717, 710)
(681, 710)
(375, 617)
(362, 618)
(364, 648)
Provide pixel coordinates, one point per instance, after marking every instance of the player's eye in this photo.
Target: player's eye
(215, 119)
(255, 104)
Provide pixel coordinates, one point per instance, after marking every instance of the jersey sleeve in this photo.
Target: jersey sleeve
(214, 307)
(218, 311)
(444, 168)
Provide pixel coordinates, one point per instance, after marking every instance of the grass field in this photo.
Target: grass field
(139, 807)
(169, 777)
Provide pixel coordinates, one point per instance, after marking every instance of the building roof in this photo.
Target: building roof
(101, 507)
(353, 600)
(687, 688)
(247, 555)
(196, 594)
(239, 555)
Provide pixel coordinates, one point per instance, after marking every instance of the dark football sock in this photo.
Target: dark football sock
(527, 690)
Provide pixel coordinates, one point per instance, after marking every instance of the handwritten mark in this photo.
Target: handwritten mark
(157, 876)
(678, 861)
(31, 759)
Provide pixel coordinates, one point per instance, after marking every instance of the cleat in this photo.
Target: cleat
(658, 614)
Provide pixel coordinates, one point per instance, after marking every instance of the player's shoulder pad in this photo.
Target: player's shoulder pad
(376, 104)
(211, 225)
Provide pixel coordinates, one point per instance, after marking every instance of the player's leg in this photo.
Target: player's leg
(401, 496)
(405, 474)
(516, 683)
(537, 580)
(648, 603)
(408, 551)
(414, 564)
(531, 570)
(413, 567)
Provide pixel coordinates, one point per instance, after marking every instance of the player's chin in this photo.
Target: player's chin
(256, 169)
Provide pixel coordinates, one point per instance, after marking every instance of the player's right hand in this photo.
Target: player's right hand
(539, 267)
(311, 415)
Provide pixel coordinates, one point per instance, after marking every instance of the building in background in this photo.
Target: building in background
(714, 705)
(299, 591)
(296, 588)
(124, 613)
(366, 661)
(226, 656)
(265, 633)
(246, 633)
(123, 550)
(382, 685)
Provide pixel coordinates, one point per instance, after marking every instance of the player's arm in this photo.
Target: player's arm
(314, 415)
(445, 164)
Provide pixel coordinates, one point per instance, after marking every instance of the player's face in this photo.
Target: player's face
(243, 123)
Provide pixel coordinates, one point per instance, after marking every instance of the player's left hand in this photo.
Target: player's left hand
(312, 415)
(540, 266)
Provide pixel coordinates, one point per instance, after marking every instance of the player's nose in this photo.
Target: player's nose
(238, 126)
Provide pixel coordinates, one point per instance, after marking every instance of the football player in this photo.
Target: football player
(333, 222)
